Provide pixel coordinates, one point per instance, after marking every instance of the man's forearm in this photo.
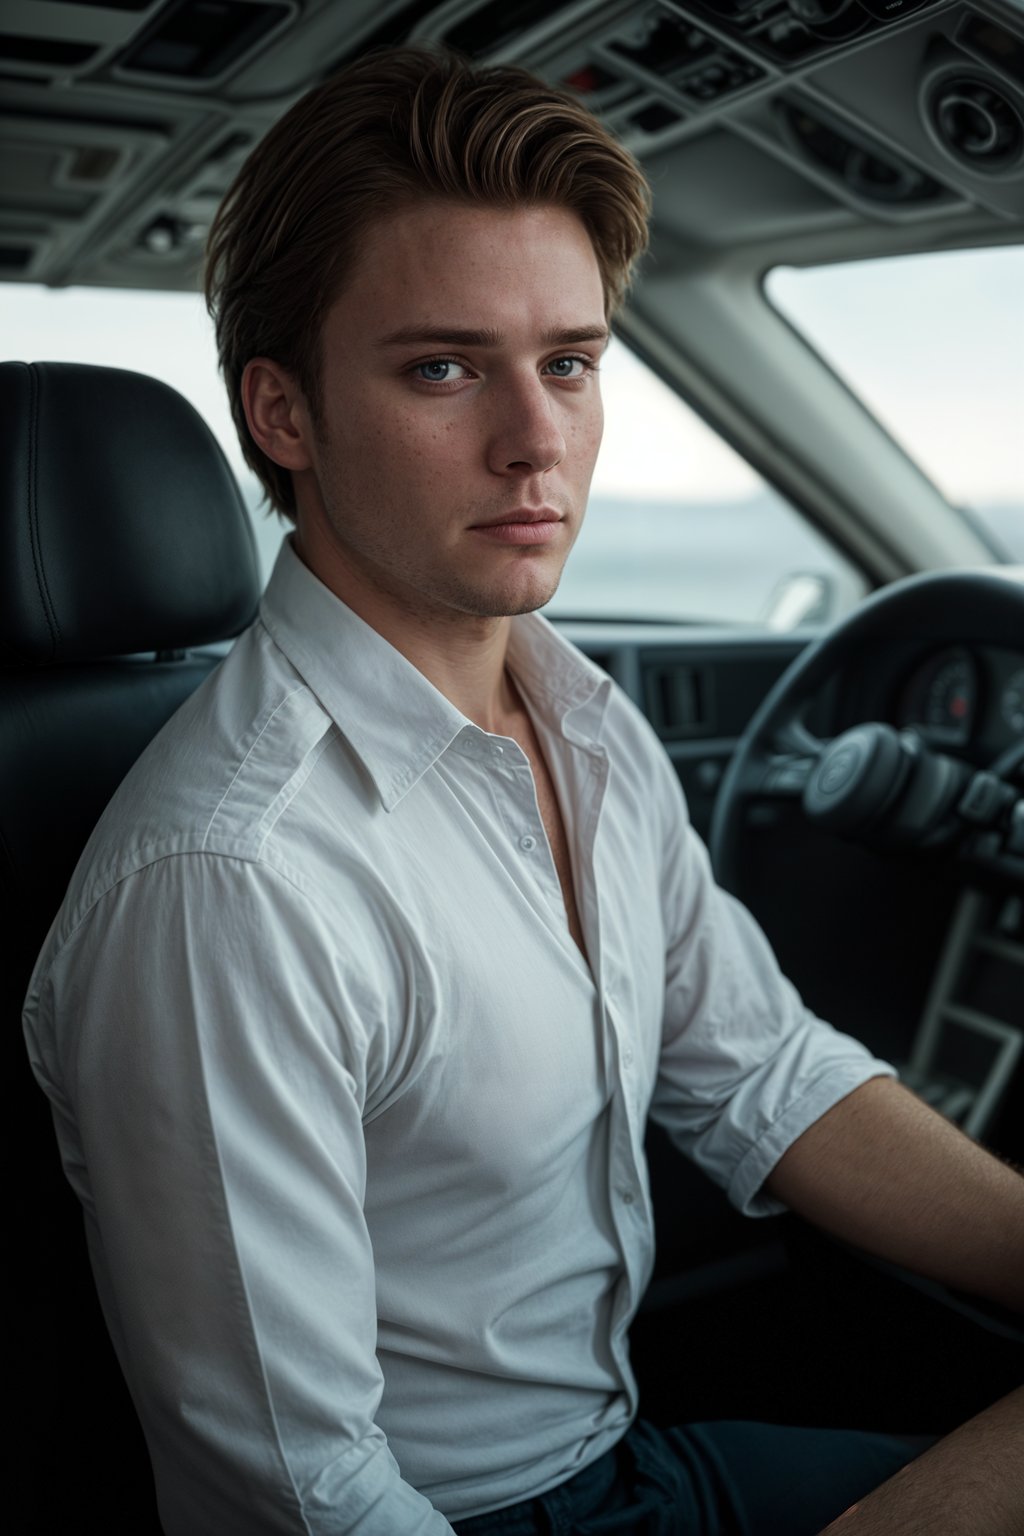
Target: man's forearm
(969, 1484)
(883, 1171)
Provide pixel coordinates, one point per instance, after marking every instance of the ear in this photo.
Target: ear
(277, 415)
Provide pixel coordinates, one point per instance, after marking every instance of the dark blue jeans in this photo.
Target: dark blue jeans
(715, 1479)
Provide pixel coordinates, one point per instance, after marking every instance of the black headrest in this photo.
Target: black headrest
(122, 526)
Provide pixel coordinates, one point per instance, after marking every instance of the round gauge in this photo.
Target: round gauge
(949, 697)
(942, 697)
(1011, 701)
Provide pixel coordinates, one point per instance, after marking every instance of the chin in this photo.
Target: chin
(527, 591)
(508, 604)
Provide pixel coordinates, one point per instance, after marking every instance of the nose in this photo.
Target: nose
(526, 436)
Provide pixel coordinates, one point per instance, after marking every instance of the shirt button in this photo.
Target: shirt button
(527, 843)
(627, 1057)
(628, 1196)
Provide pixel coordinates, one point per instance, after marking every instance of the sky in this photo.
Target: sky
(933, 344)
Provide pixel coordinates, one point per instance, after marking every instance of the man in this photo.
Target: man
(381, 957)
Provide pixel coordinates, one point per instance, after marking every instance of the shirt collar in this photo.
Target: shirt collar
(395, 720)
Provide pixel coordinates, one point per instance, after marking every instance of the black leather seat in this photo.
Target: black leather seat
(126, 546)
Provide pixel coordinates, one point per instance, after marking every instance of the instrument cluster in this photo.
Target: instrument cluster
(958, 698)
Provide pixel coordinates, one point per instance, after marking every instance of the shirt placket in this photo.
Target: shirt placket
(628, 1197)
(532, 860)
(587, 768)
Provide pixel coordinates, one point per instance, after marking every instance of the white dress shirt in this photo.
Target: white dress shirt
(357, 1132)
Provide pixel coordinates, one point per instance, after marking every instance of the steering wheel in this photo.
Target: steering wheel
(874, 782)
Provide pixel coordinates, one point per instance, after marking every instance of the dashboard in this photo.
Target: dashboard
(964, 698)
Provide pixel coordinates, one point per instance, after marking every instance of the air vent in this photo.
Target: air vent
(975, 121)
(201, 39)
(676, 700)
(869, 172)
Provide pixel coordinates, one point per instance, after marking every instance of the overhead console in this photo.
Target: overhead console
(827, 86)
(124, 121)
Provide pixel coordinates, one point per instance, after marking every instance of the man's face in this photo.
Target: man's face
(461, 413)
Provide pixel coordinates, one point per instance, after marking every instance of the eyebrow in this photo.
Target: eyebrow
(457, 336)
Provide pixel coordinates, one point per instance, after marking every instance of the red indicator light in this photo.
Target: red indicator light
(582, 80)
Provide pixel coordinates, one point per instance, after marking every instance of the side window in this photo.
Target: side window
(679, 526)
(929, 342)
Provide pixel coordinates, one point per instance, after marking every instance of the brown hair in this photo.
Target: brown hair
(396, 125)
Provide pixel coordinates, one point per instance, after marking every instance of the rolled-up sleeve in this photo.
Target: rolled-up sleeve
(745, 1067)
(210, 1111)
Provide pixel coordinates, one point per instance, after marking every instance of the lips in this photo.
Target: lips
(525, 526)
(522, 515)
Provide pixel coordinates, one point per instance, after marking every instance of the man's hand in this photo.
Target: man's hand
(883, 1171)
(969, 1484)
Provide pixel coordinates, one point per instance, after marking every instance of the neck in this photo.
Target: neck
(462, 654)
(465, 662)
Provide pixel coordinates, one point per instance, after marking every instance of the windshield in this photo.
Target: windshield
(934, 347)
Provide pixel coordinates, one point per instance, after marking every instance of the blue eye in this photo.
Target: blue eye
(569, 367)
(440, 370)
